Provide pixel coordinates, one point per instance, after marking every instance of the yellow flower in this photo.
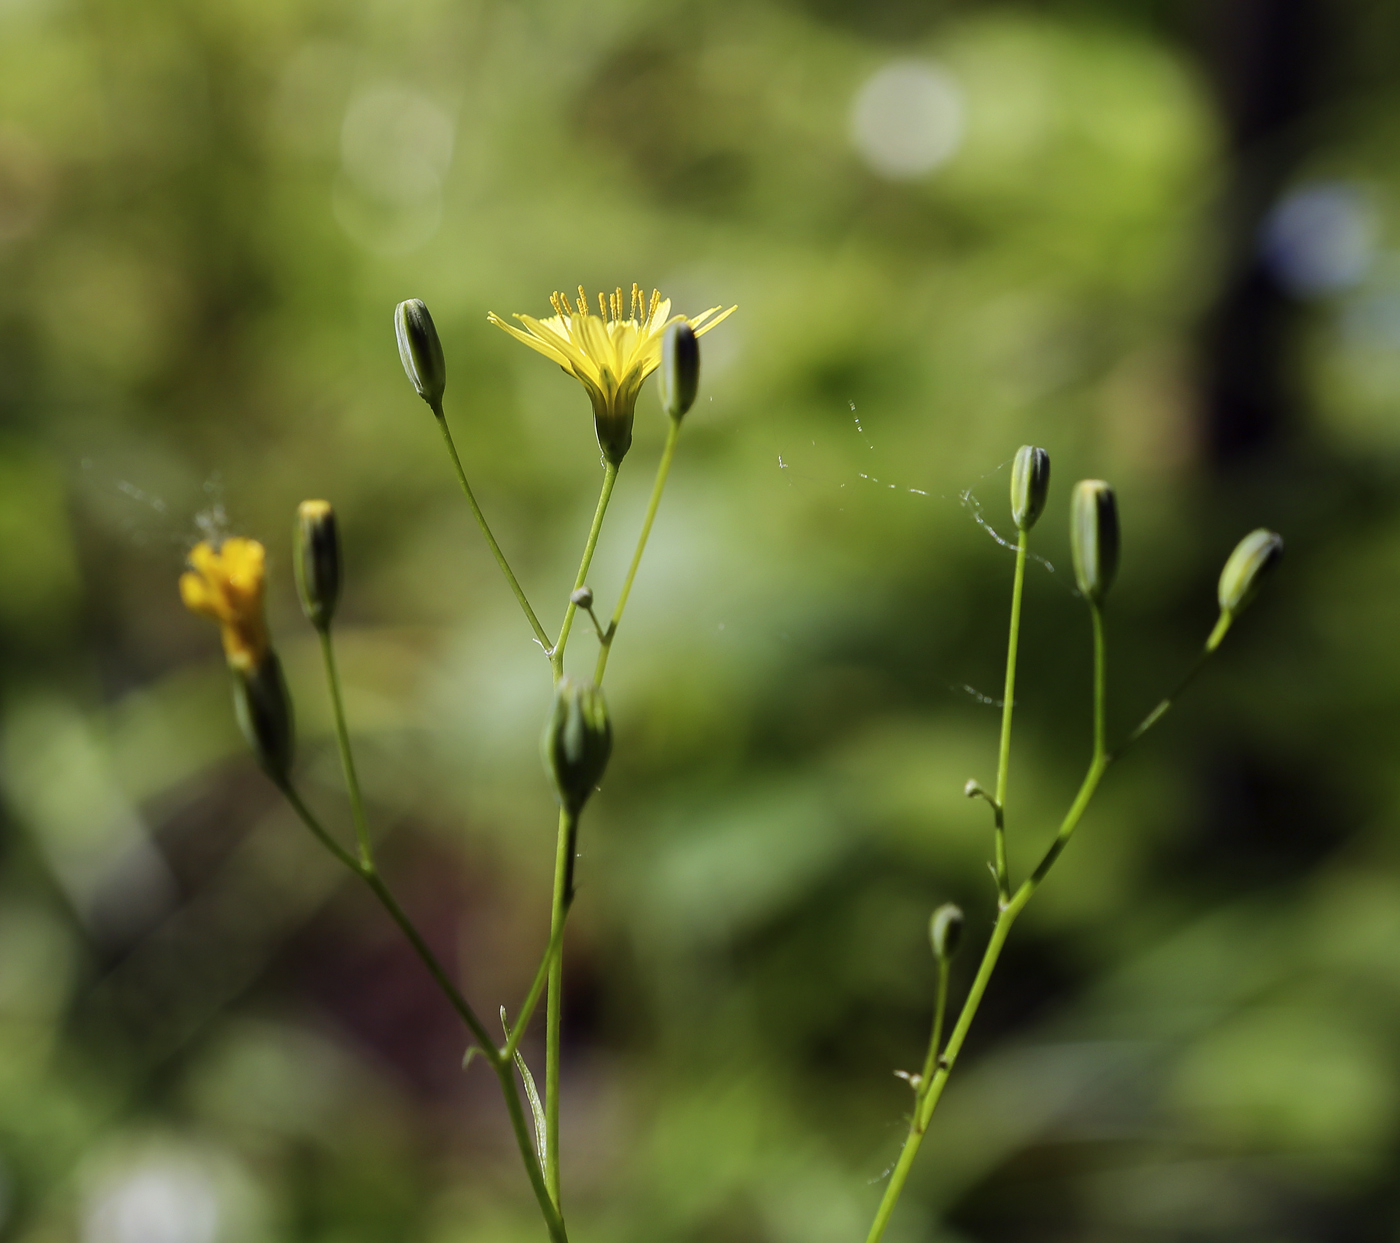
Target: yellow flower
(227, 585)
(609, 355)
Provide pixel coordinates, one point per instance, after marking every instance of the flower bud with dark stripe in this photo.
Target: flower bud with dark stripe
(1093, 538)
(577, 741)
(420, 351)
(226, 584)
(1030, 482)
(679, 379)
(263, 706)
(317, 562)
(945, 931)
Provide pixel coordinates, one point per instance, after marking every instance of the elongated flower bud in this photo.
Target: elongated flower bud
(317, 561)
(263, 706)
(420, 351)
(1030, 482)
(945, 931)
(1093, 538)
(1254, 557)
(679, 379)
(577, 741)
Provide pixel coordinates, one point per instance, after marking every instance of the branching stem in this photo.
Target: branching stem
(486, 531)
(556, 653)
(663, 470)
(931, 1088)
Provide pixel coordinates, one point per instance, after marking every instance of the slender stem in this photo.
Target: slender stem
(435, 968)
(527, 1007)
(556, 653)
(940, 1008)
(342, 737)
(552, 1217)
(1100, 684)
(503, 1065)
(932, 1089)
(1216, 635)
(326, 840)
(486, 531)
(662, 471)
(1008, 704)
(563, 876)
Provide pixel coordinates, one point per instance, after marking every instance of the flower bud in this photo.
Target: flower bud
(582, 596)
(973, 789)
(263, 706)
(680, 369)
(317, 561)
(420, 351)
(1093, 538)
(1030, 481)
(1254, 557)
(577, 741)
(945, 931)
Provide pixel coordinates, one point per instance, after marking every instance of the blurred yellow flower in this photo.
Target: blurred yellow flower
(227, 585)
(609, 355)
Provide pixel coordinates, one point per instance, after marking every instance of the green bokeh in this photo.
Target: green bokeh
(207, 215)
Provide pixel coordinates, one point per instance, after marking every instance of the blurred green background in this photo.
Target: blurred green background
(1160, 239)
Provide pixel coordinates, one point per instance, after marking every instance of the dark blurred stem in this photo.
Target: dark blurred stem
(342, 737)
(1008, 703)
(931, 1090)
(486, 531)
(556, 653)
(502, 1065)
(1216, 635)
(563, 896)
(662, 471)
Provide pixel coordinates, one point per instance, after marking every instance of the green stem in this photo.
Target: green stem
(532, 998)
(552, 1217)
(556, 653)
(326, 840)
(1008, 703)
(486, 531)
(932, 1090)
(342, 737)
(936, 1039)
(1222, 626)
(503, 1065)
(563, 874)
(662, 471)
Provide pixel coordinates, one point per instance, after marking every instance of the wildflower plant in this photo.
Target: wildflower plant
(611, 354)
(1094, 548)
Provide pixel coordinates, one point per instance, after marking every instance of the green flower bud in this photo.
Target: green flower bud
(582, 596)
(263, 706)
(1093, 538)
(420, 351)
(577, 741)
(1030, 481)
(1254, 557)
(317, 561)
(945, 931)
(680, 369)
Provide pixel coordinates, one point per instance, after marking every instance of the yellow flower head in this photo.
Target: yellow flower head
(227, 585)
(609, 355)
